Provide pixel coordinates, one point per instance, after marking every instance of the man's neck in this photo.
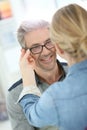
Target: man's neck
(50, 76)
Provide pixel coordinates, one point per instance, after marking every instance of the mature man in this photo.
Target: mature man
(34, 35)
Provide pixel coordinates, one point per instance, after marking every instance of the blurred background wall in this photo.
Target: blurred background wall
(12, 12)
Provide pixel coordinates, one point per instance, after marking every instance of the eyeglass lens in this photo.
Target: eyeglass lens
(38, 49)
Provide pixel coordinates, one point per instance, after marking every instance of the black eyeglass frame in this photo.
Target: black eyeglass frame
(45, 43)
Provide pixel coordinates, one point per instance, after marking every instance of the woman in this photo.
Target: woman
(64, 104)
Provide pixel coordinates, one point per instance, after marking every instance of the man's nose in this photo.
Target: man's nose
(45, 50)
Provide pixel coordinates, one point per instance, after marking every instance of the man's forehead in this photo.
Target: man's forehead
(37, 36)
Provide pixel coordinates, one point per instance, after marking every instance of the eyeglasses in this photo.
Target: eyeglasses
(39, 48)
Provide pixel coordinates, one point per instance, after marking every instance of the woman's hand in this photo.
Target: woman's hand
(27, 68)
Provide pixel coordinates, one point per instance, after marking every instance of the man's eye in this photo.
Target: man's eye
(36, 47)
(48, 41)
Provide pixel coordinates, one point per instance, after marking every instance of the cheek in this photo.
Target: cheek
(53, 50)
(56, 48)
(35, 57)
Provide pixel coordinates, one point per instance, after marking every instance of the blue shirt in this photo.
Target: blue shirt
(63, 104)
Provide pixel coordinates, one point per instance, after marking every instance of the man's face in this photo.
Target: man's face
(46, 60)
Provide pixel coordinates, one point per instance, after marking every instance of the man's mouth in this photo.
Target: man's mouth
(47, 59)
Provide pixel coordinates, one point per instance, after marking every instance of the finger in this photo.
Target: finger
(27, 54)
(23, 51)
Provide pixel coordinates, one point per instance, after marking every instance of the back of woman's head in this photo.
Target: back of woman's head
(69, 30)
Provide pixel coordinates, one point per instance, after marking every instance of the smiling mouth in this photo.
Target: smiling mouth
(47, 59)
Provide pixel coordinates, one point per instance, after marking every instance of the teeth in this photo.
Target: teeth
(47, 59)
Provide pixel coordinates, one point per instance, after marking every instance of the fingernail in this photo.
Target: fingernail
(28, 51)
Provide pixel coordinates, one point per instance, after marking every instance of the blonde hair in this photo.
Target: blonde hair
(69, 30)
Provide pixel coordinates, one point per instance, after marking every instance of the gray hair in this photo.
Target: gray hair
(29, 26)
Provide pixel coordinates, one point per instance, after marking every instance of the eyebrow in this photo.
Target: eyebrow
(47, 40)
(37, 44)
